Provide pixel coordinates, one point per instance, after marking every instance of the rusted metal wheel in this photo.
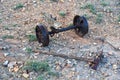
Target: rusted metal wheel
(42, 35)
(82, 25)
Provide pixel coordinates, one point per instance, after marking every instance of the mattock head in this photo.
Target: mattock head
(42, 34)
(96, 61)
(82, 25)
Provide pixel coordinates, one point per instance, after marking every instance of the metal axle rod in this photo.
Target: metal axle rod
(80, 25)
(61, 30)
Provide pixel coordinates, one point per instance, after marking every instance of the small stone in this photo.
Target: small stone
(35, 56)
(58, 67)
(16, 69)
(119, 48)
(23, 9)
(94, 43)
(25, 75)
(11, 64)
(24, 49)
(20, 64)
(1, 40)
(110, 53)
(115, 66)
(74, 40)
(57, 25)
(57, 63)
(57, 35)
(6, 54)
(90, 54)
(105, 74)
(62, 0)
(34, 1)
(68, 61)
(5, 64)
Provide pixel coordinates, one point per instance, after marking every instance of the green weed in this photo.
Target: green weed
(62, 13)
(32, 37)
(37, 66)
(99, 18)
(6, 27)
(18, 6)
(40, 67)
(0, 20)
(109, 10)
(28, 50)
(42, 0)
(86, 16)
(7, 37)
(91, 7)
(103, 3)
(15, 25)
(40, 77)
(53, 73)
(54, 0)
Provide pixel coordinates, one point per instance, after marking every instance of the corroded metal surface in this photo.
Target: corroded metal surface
(80, 25)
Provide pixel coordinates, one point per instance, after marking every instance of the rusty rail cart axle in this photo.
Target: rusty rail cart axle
(80, 25)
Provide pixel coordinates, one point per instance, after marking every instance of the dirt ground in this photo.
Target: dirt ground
(18, 19)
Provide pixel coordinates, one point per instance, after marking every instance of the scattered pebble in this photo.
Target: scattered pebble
(62, 0)
(115, 66)
(1, 40)
(5, 64)
(24, 49)
(15, 69)
(110, 53)
(6, 54)
(11, 64)
(69, 62)
(58, 67)
(25, 75)
(57, 25)
(94, 43)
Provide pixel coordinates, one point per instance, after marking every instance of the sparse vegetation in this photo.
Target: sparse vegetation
(0, 20)
(53, 73)
(40, 77)
(108, 10)
(6, 27)
(18, 6)
(54, 0)
(15, 25)
(62, 13)
(42, 67)
(91, 7)
(28, 50)
(103, 3)
(37, 66)
(32, 37)
(86, 16)
(42, 0)
(7, 37)
(99, 18)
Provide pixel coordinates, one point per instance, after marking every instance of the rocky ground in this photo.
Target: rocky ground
(18, 44)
